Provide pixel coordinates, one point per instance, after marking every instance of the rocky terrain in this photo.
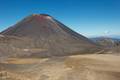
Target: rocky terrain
(111, 45)
(79, 67)
(41, 48)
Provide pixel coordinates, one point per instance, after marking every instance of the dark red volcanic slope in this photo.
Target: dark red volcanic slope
(48, 37)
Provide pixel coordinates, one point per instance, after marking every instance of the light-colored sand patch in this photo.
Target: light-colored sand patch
(23, 61)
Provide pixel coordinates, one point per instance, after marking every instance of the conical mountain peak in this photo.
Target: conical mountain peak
(44, 32)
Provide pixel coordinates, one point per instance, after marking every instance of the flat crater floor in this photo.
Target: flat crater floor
(78, 67)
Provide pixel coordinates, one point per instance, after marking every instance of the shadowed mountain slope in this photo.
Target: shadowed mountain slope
(43, 36)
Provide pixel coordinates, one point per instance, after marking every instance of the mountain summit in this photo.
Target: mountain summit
(43, 36)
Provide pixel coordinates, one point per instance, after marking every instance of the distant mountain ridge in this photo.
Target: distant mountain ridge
(106, 41)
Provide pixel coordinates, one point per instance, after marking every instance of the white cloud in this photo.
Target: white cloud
(106, 32)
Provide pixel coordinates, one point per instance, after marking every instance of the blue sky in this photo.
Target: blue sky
(88, 17)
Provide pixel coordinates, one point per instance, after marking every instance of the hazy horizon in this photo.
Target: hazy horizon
(87, 17)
